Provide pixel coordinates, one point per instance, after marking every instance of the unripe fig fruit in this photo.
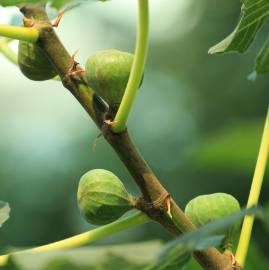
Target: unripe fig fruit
(102, 197)
(107, 74)
(33, 63)
(206, 208)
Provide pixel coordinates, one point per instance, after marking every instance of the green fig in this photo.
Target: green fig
(107, 74)
(102, 197)
(206, 208)
(33, 63)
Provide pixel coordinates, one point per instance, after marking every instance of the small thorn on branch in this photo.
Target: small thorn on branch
(168, 205)
(74, 62)
(96, 140)
(75, 70)
(59, 18)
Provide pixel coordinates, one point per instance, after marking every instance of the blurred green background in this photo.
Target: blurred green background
(197, 119)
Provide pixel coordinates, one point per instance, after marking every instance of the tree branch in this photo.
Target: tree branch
(153, 201)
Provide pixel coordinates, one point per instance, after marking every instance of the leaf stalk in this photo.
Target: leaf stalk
(254, 195)
(29, 34)
(137, 67)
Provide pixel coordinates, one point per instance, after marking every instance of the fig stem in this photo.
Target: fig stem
(29, 34)
(137, 67)
(8, 52)
(241, 252)
(87, 237)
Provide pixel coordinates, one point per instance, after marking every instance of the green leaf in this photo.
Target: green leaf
(139, 256)
(253, 15)
(266, 219)
(262, 61)
(171, 259)
(126, 256)
(212, 241)
(192, 265)
(4, 212)
(177, 254)
(61, 264)
(256, 260)
(111, 261)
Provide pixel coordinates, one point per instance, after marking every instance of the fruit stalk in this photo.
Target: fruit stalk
(254, 194)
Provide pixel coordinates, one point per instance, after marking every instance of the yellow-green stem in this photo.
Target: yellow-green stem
(30, 34)
(8, 52)
(137, 67)
(87, 237)
(254, 194)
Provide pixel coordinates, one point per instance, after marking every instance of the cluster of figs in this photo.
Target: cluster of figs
(101, 196)
(102, 199)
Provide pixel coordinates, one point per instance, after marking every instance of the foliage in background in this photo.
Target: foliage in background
(253, 16)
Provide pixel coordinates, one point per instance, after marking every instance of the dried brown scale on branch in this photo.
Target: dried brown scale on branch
(149, 185)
